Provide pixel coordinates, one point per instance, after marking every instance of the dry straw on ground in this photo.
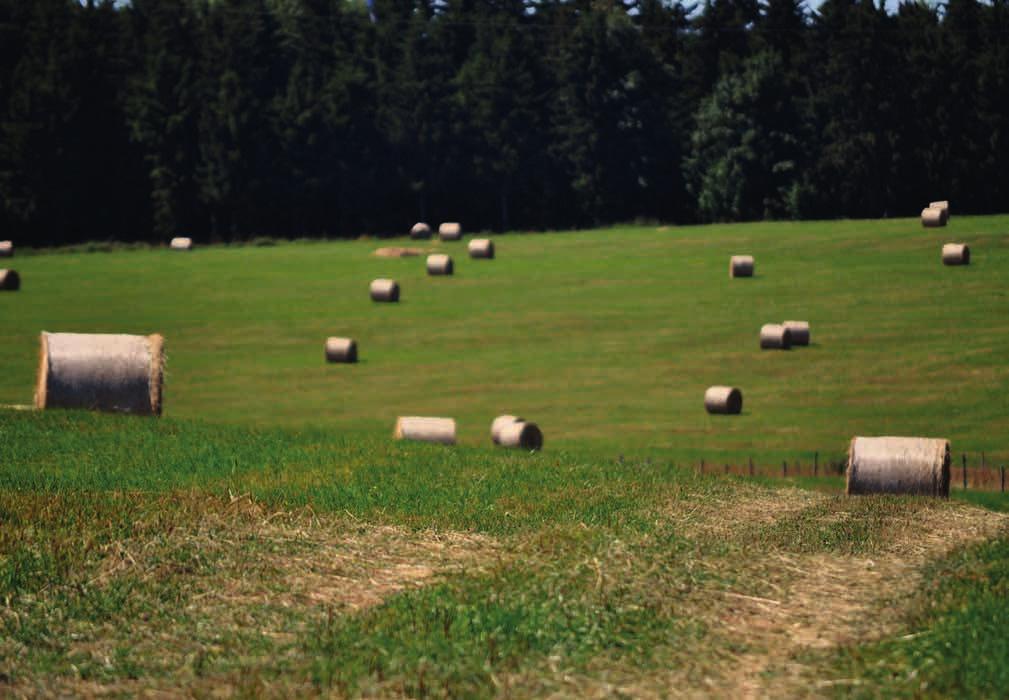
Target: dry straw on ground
(481, 248)
(341, 350)
(104, 372)
(799, 331)
(956, 254)
(6, 249)
(397, 252)
(931, 217)
(420, 230)
(522, 435)
(774, 336)
(723, 399)
(903, 465)
(439, 264)
(450, 231)
(384, 290)
(741, 266)
(10, 280)
(426, 429)
(181, 243)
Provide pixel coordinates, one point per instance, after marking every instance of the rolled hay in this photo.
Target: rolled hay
(481, 248)
(956, 254)
(904, 465)
(101, 372)
(384, 290)
(341, 350)
(741, 266)
(397, 252)
(799, 331)
(439, 264)
(6, 249)
(426, 429)
(181, 243)
(944, 205)
(774, 336)
(10, 280)
(932, 217)
(450, 231)
(420, 230)
(498, 425)
(522, 435)
(723, 399)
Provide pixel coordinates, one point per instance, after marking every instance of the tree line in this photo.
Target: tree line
(227, 119)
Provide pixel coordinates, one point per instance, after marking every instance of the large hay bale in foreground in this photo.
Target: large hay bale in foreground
(384, 290)
(181, 243)
(439, 264)
(741, 266)
(904, 465)
(426, 429)
(481, 248)
(798, 331)
(498, 425)
(10, 280)
(932, 217)
(723, 399)
(420, 230)
(450, 231)
(6, 249)
(341, 350)
(774, 336)
(522, 435)
(956, 254)
(102, 372)
(944, 205)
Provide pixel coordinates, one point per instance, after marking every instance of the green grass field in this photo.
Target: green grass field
(268, 537)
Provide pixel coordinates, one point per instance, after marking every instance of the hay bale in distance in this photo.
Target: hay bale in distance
(774, 336)
(798, 331)
(904, 465)
(181, 243)
(956, 254)
(384, 290)
(420, 230)
(439, 264)
(6, 249)
(450, 231)
(741, 266)
(481, 248)
(426, 429)
(723, 399)
(522, 435)
(498, 425)
(341, 350)
(101, 372)
(397, 252)
(944, 205)
(932, 217)
(10, 280)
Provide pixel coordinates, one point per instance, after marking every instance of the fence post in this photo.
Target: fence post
(816, 463)
(963, 460)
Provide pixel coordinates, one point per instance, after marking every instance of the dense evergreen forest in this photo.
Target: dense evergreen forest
(225, 119)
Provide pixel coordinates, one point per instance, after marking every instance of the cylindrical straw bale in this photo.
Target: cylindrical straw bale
(181, 243)
(420, 230)
(932, 217)
(481, 248)
(439, 264)
(944, 205)
(723, 399)
(956, 254)
(103, 372)
(10, 280)
(498, 425)
(384, 290)
(521, 434)
(341, 350)
(450, 231)
(741, 266)
(426, 429)
(774, 336)
(799, 331)
(905, 465)
(6, 249)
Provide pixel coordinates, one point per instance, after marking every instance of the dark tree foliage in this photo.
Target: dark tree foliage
(227, 119)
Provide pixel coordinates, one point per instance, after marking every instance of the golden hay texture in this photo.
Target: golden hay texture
(522, 435)
(956, 254)
(425, 429)
(932, 217)
(904, 465)
(397, 252)
(384, 290)
(741, 266)
(341, 350)
(723, 399)
(944, 205)
(420, 230)
(181, 243)
(6, 249)
(498, 425)
(481, 248)
(439, 264)
(450, 231)
(774, 336)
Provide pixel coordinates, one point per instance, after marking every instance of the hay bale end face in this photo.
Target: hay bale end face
(341, 350)
(384, 290)
(420, 230)
(425, 429)
(450, 231)
(101, 372)
(898, 465)
(439, 264)
(798, 331)
(10, 280)
(6, 249)
(932, 217)
(726, 400)
(774, 336)
(481, 248)
(944, 205)
(181, 243)
(956, 254)
(498, 425)
(521, 435)
(741, 266)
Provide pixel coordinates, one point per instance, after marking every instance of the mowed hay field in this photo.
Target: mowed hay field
(268, 537)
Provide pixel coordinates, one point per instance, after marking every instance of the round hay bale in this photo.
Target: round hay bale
(741, 266)
(723, 399)
(341, 350)
(6, 249)
(932, 217)
(522, 435)
(499, 423)
(450, 231)
(420, 230)
(956, 254)
(426, 429)
(774, 336)
(384, 290)
(905, 465)
(481, 248)
(439, 264)
(944, 205)
(799, 331)
(10, 280)
(101, 372)
(181, 243)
